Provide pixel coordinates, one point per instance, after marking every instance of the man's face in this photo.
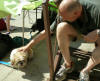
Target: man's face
(66, 16)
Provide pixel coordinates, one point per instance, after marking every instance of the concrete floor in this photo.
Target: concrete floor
(38, 68)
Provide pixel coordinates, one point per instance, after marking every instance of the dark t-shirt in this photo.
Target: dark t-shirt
(90, 19)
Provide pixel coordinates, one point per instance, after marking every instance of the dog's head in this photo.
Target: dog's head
(18, 59)
(39, 25)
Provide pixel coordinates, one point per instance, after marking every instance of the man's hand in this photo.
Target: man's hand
(24, 48)
(91, 37)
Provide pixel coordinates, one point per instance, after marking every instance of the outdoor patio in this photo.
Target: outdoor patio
(38, 68)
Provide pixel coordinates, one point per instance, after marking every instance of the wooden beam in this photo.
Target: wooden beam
(47, 29)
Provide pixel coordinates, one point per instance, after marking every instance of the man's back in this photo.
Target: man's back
(91, 16)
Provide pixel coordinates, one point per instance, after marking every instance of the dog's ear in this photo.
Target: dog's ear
(12, 62)
(30, 51)
(30, 54)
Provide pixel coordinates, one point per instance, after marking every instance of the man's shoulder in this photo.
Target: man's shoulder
(90, 3)
(92, 9)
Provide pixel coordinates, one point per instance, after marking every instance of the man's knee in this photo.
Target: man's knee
(63, 28)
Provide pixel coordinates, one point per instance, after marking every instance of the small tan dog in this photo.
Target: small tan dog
(19, 59)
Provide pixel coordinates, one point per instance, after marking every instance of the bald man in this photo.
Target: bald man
(78, 17)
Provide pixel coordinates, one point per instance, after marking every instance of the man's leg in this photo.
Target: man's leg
(64, 32)
(93, 61)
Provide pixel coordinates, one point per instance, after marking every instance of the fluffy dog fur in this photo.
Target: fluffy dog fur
(19, 59)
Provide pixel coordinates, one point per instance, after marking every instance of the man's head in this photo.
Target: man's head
(70, 10)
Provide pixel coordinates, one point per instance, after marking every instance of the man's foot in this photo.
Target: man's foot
(61, 74)
(84, 76)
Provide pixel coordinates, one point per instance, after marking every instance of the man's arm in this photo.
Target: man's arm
(39, 37)
(42, 35)
(91, 36)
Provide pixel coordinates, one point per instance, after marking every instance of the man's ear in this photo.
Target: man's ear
(77, 13)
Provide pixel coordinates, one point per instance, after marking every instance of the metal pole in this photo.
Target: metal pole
(23, 26)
